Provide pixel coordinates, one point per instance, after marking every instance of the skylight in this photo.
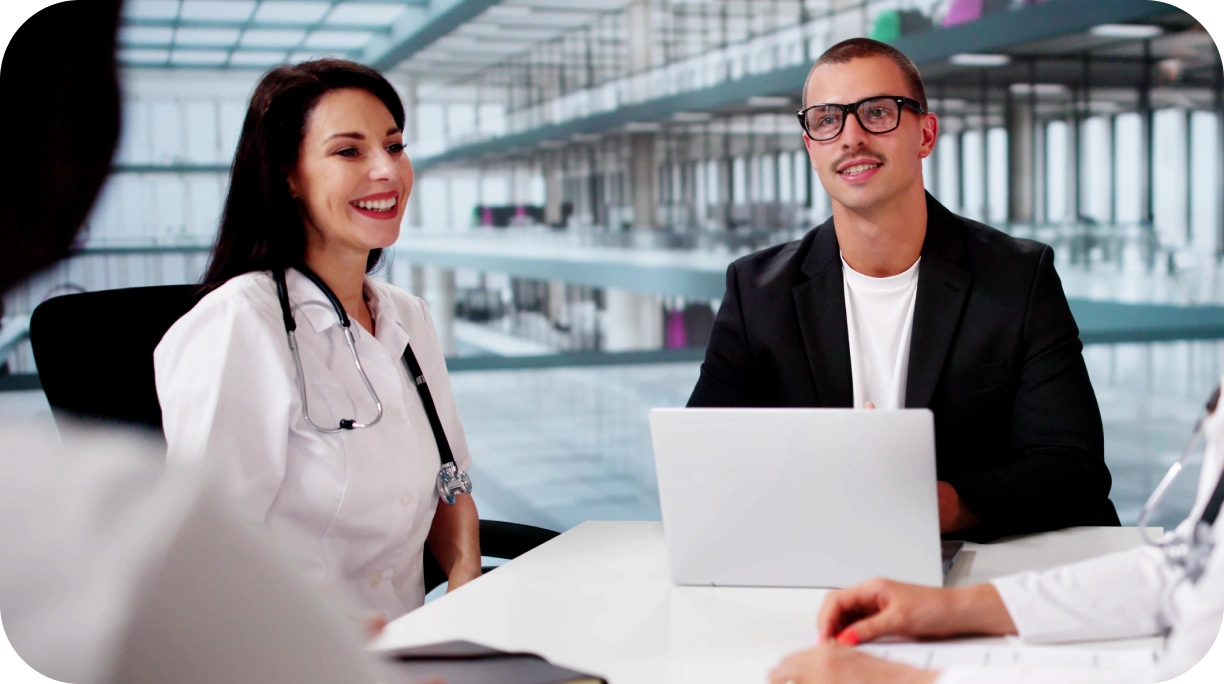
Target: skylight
(217, 10)
(145, 35)
(211, 37)
(199, 57)
(151, 9)
(338, 40)
(142, 57)
(268, 38)
(257, 58)
(291, 12)
(306, 56)
(365, 14)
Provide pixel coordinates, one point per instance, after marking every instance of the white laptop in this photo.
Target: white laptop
(797, 497)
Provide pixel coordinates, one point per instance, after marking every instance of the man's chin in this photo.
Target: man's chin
(859, 202)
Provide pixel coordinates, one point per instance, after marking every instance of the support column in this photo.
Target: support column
(1219, 156)
(642, 180)
(557, 302)
(440, 297)
(632, 321)
(1147, 152)
(408, 88)
(640, 19)
(554, 189)
(1020, 172)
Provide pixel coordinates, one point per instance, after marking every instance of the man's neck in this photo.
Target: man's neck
(884, 241)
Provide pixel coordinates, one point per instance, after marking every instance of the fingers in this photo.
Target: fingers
(870, 628)
(846, 606)
(869, 405)
(797, 668)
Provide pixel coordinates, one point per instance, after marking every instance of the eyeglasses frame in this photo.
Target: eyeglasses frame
(852, 108)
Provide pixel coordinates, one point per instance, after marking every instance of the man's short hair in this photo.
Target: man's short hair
(860, 48)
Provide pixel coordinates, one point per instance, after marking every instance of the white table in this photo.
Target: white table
(598, 599)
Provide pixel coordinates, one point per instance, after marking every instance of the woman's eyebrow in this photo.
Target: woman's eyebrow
(355, 136)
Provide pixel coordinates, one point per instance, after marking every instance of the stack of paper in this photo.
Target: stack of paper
(936, 657)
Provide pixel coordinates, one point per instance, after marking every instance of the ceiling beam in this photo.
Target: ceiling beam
(995, 33)
(416, 31)
(260, 25)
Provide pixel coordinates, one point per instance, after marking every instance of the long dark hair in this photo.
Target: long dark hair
(261, 227)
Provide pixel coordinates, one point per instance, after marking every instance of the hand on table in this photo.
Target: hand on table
(833, 663)
(882, 607)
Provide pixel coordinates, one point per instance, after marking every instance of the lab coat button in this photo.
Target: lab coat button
(406, 500)
(376, 579)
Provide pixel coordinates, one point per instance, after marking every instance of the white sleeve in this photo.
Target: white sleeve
(1117, 596)
(1197, 626)
(444, 398)
(995, 675)
(1189, 646)
(226, 387)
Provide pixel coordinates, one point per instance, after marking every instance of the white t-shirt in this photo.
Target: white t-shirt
(879, 318)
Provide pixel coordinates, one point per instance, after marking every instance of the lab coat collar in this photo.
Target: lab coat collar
(310, 302)
(389, 328)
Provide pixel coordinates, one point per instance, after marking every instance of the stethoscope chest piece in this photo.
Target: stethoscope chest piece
(453, 482)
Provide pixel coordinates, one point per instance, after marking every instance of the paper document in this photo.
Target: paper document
(935, 657)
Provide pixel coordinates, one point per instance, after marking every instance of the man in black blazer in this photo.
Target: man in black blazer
(993, 349)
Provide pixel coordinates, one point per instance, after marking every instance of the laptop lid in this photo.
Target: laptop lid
(797, 497)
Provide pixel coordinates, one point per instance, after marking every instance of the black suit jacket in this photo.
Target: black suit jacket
(994, 353)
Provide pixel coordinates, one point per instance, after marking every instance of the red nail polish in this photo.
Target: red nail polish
(848, 637)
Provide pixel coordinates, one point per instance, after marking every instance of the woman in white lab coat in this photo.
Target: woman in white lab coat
(1135, 593)
(319, 184)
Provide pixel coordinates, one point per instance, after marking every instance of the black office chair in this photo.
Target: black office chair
(94, 353)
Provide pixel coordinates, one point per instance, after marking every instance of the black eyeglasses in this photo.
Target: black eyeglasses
(877, 115)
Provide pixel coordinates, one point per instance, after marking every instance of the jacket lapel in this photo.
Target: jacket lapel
(943, 289)
(821, 307)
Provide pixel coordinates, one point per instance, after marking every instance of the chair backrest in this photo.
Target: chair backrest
(94, 352)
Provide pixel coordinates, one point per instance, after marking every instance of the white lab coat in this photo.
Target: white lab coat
(352, 508)
(1122, 595)
(114, 569)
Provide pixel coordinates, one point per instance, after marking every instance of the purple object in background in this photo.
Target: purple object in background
(965, 11)
(675, 335)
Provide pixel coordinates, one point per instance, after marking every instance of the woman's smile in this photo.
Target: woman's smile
(383, 206)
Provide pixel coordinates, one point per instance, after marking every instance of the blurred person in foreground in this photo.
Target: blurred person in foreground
(1176, 591)
(112, 570)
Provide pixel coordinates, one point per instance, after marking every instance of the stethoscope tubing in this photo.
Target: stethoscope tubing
(1190, 553)
(282, 292)
(451, 481)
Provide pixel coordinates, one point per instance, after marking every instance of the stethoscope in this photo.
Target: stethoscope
(451, 480)
(1188, 552)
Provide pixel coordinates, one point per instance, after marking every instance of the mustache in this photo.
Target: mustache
(879, 158)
